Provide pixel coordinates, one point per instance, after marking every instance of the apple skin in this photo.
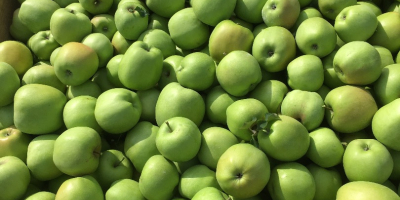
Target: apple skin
(331, 79)
(77, 7)
(327, 182)
(156, 185)
(10, 83)
(281, 13)
(101, 45)
(100, 77)
(6, 116)
(305, 72)
(43, 74)
(105, 24)
(211, 12)
(124, 189)
(384, 126)
(387, 86)
(120, 43)
(38, 109)
(250, 11)
(240, 175)
(18, 30)
(129, 13)
(158, 22)
(43, 195)
(14, 178)
(210, 193)
(77, 151)
(96, 7)
(159, 39)
(196, 178)
(364, 190)
(271, 93)
(73, 189)
(43, 10)
(149, 100)
(40, 157)
(168, 10)
(42, 44)
(349, 109)
(367, 160)
(118, 110)
(330, 9)
(305, 13)
(88, 88)
(217, 101)
(17, 55)
(14, 143)
(168, 73)
(112, 70)
(386, 56)
(387, 33)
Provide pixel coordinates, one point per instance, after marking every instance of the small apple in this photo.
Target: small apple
(124, 189)
(101, 45)
(82, 187)
(14, 143)
(196, 178)
(105, 24)
(42, 44)
(131, 19)
(281, 13)
(43, 10)
(17, 55)
(43, 74)
(305, 72)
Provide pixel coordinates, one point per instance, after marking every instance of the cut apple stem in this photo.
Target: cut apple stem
(170, 129)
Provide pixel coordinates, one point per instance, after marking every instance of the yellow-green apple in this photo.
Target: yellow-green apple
(365, 190)
(40, 157)
(325, 150)
(323, 91)
(141, 66)
(211, 12)
(105, 24)
(330, 9)
(149, 100)
(165, 8)
(271, 93)
(327, 182)
(140, 144)
(236, 79)
(96, 7)
(14, 143)
(42, 44)
(291, 181)
(120, 43)
(306, 107)
(372, 5)
(43, 74)
(88, 88)
(55, 183)
(257, 29)
(100, 77)
(196, 71)
(357, 63)
(210, 193)
(118, 110)
(282, 13)
(43, 10)
(38, 109)
(14, 177)
(77, 7)
(18, 30)
(68, 25)
(17, 55)
(101, 45)
(80, 188)
(331, 79)
(386, 56)
(183, 166)
(53, 55)
(196, 178)
(9, 83)
(178, 139)
(159, 39)
(387, 33)
(284, 138)
(228, 36)
(316, 36)
(349, 108)
(156, 185)
(75, 63)
(305, 13)
(367, 160)
(112, 70)
(250, 11)
(274, 47)
(240, 175)
(6, 116)
(186, 30)
(124, 189)
(177, 101)
(77, 151)
(131, 19)
(42, 195)
(387, 86)
(168, 73)
(305, 72)
(217, 100)
(158, 22)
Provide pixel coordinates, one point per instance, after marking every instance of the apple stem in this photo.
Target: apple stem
(327, 107)
(123, 158)
(344, 144)
(170, 129)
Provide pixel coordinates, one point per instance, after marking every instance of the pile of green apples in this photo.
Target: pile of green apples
(201, 99)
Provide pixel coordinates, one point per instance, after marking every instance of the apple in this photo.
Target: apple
(55, 183)
(43, 10)
(17, 55)
(281, 13)
(77, 151)
(387, 32)
(19, 30)
(168, 73)
(250, 11)
(14, 143)
(159, 39)
(386, 87)
(327, 182)
(129, 13)
(331, 9)
(124, 189)
(42, 44)
(14, 177)
(6, 116)
(96, 7)
(196, 178)
(386, 56)
(88, 88)
(77, 7)
(305, 72)
(64, 3)
(80, 188)
(271, 93)
(305, 13)
(165, 9)
(10, 83)
(210, 193)
(331, 79)
(158, 22)
(105, 24)
(112, 70)
(149, 100)
(365, 190)
(43, 74)
(120, 43)
(211, 12)
(101, 45)
(217, 100)
(43, 195)
(100, 77)
(372, 5)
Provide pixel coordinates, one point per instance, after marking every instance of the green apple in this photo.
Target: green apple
(75, 63)
(156, 185)
(88, 88)
(291, 180)
(140, 144)
(178, 139)
(241, 175)
(196, 178)
(386, 87)
(40, 157)
(214, 142)
(386, 56)
(159, 39)
(384, 126)
(101, 45)
(365, 190)
(325, 150)
(124, 189)
(105, 24)
(14, 143)
(96, 7)
(77, 151)
(100, 77)
(120, 43)
(211, 12)
(196, 71)
(250, 11)
(14, 178)
(43, 195)
(68, 25)
(331, 9)
(349, 109)
(235, 79)
(158, 22)
(17, 55)
(64, 3)
(274, 47)
(316, 36)
(53, 55)
(208, 193)
(175, 100)
(43, 74)
(9, 83)
(387, 33)
(217, 100)
(149, 100)
(168, 73)
(347, 138)
(305, 13)
(19, 30)
(79, 111)
(80, 188)
(77, 7)
(323, 91)
(131, 19)
(38, 109)
(183, 166)
(165, 8)
(284, 139)
(354, 18)
(367, 160)
(373, 6)
(55, 183)
(305, 72)
(257, 29)
(281, 13)
(42, 44)
(141, 66)
(117, 110)
(43, 10)
(112, 70)
(186, 30)
(6, 116)
(357, 63)
(327, 182)
(228, 36)
(331, 79)
(271, 93)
